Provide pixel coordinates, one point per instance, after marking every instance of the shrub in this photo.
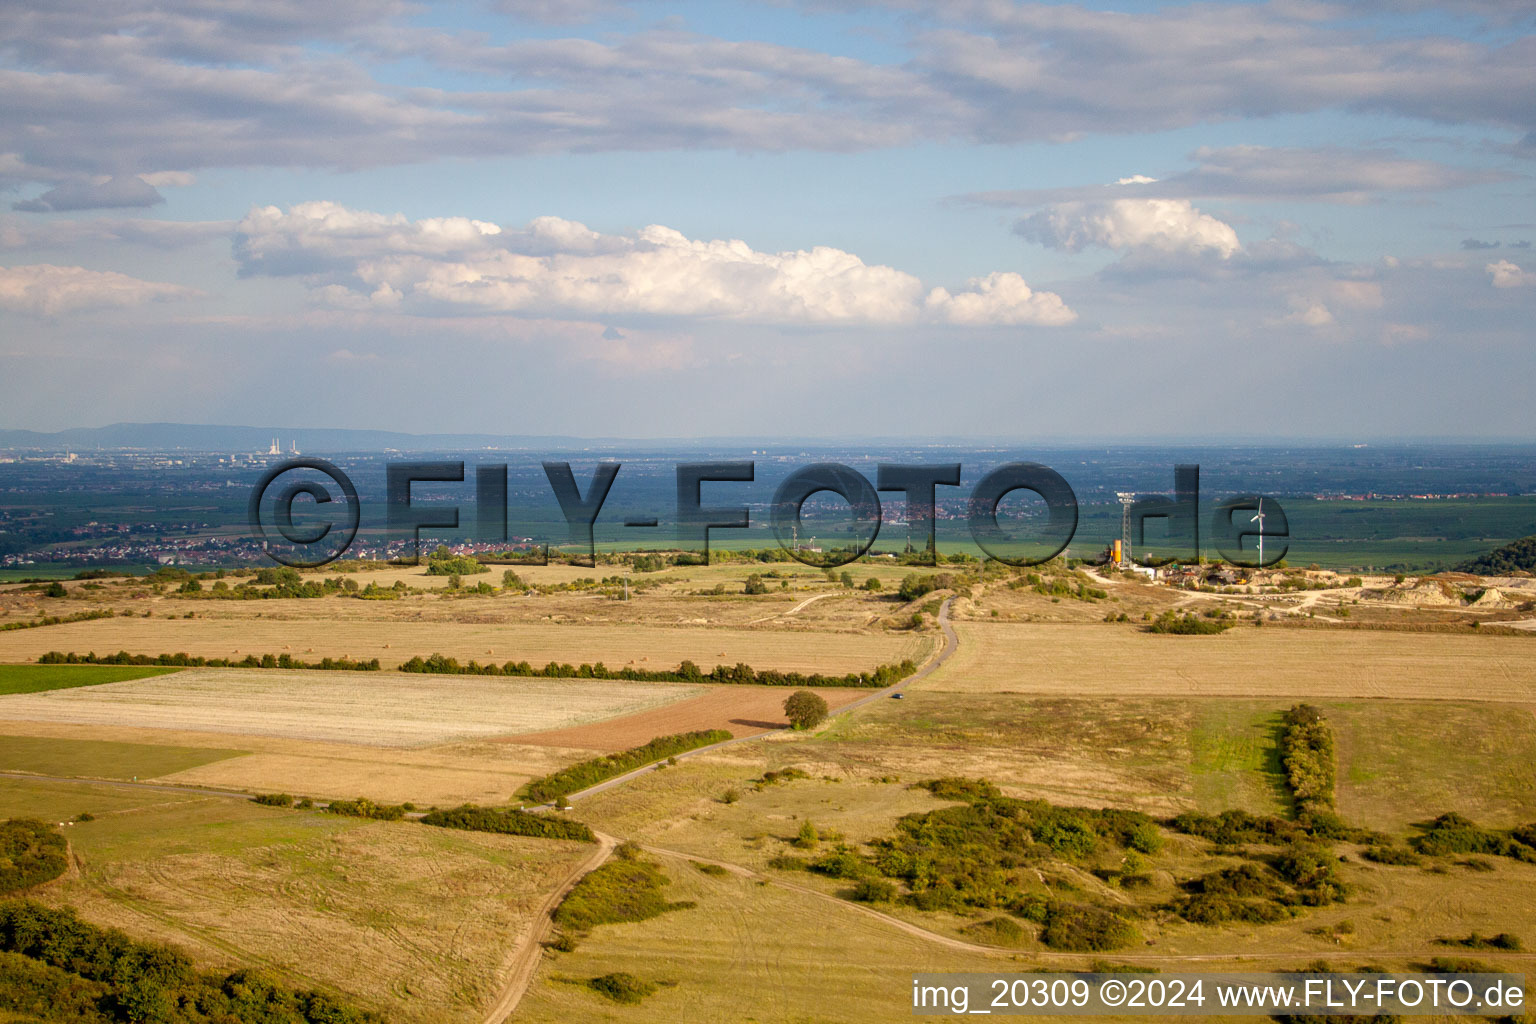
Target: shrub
(807, 836)
(1503, 940)
(1082, 928)
(805, 710)
(583, 774)
(730, 796)
(444, 562)
(362, 807)
(625, 889)
(273, 799)
(622, 988)
(1451, 834)
(1313, 869)
(713, 870)
(56, 590)
(873, 890)
(31, 853)
(1186, 624)
(1000, 930)
(1397, 855)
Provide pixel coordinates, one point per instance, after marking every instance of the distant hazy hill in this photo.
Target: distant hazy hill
(1520, 554)
(204, 437)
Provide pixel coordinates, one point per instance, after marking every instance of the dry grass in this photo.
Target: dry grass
(372, 708)
(413, 921)
(482, 771)
(1121, 660)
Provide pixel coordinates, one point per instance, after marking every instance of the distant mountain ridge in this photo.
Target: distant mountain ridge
(1512, 557)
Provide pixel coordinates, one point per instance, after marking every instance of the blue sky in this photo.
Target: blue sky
(829, 217)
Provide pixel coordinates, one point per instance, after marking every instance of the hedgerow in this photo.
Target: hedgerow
(583, 774)
(58, 620)
(509, 822)
(1307, 754)
(739, 674)
(180, 660)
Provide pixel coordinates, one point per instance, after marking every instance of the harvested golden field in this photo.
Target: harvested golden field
(741, 710)
(479, 771)
(307, 632)
(1120, 660)
(412, 921)
(371, 708)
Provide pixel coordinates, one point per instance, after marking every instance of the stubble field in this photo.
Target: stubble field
(372, 708)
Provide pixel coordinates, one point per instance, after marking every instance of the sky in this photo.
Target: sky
(819, 218)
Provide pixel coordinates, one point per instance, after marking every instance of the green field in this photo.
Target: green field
(102, 759)
(37, 678)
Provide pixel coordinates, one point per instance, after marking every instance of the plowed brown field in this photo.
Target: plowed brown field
(741, 710)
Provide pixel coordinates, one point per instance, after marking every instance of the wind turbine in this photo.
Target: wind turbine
(1260, 520)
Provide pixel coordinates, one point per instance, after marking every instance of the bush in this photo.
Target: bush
(362, 807)
(1503, 940)
(621, 987)
(805, 710)
(1186, 624)
(583, 774)
(730, 796)
(1082, 928)
(1396, 855)
(444, 562)
(625, 889)
(874, 890)
(1452, 834)
(1003, 931)
(273, 799)
(509, 822)
(1313, 869)
(31, 853)
(56, 590)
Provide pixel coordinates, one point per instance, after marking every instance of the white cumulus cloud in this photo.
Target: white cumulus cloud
(1509, 275)
(45, 290)
(559, 267)
(1165, 225)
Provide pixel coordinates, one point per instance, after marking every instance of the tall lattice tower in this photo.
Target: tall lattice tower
(1127, 498)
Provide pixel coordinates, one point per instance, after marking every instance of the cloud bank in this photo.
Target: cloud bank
(556, 267)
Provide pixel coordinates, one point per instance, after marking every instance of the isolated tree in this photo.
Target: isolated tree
(755, 585)
(805, 710)
(847, 580)
(872, 584)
